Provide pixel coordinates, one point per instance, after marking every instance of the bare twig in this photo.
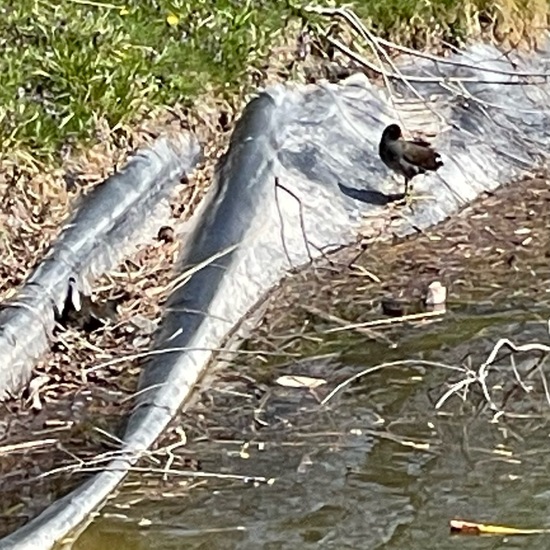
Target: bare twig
(481, 375)
(26, 446)
(345, 325)
(301, 215)
(151, 353)
(183, 278)
(376, 368)
(354, 22)
(390, 321)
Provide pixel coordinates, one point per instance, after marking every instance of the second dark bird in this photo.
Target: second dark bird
(408, 158)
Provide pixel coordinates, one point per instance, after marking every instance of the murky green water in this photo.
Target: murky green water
(380, 469)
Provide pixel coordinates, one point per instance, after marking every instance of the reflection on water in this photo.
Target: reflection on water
(382, 469)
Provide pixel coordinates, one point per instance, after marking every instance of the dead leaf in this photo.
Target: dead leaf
(34, 391)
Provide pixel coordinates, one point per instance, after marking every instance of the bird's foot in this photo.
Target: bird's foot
(407, 199)
(404, 200)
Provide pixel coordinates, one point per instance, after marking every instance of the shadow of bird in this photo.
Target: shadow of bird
(408, 158)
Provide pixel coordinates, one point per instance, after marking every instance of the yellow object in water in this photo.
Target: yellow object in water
(472, 528)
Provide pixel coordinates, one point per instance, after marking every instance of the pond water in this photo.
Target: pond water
(380, 469)
(379, 466)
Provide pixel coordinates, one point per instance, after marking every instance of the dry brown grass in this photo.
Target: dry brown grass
(520, 23)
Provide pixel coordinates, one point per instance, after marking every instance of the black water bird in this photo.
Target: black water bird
(408, 158)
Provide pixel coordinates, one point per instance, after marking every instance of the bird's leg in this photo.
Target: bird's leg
(405, 199)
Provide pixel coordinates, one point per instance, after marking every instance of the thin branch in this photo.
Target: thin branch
(354, 21)
(301, 216)
(376, 368)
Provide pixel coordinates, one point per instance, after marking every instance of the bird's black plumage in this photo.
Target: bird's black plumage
(408, 158)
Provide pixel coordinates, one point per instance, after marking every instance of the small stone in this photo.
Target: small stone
(142, 324)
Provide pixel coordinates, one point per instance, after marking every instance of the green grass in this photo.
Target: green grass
(65, 64)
